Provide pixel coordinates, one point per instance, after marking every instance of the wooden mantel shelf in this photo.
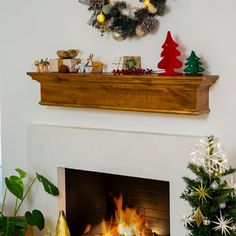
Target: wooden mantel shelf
(149, 93)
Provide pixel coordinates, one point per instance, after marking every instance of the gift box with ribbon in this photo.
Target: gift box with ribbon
(70, 63)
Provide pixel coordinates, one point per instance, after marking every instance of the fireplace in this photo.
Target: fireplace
(123, 153)
(107, 204)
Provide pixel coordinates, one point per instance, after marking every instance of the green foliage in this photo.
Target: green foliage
(219, 201)
(131, 63)
(35, 218)
(48, 186)
(12, 226)
(15, 185)
(117, 21)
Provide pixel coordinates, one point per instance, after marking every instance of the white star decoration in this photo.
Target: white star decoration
(211, 162)
(232, 185)
(186, 220)
(223, 225)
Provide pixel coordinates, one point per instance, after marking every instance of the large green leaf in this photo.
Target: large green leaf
(35, 218)
(15, 185)
(21, 172)
(48, 186)
(12, 226)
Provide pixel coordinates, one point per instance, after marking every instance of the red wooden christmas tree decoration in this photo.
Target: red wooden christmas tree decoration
(169, 61)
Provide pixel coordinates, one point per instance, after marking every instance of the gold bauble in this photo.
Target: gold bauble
(138, 30)
(100, 18)
(147, 3)
(117, 36)
(152, 9)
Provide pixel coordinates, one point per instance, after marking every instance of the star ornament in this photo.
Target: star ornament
(210, 155)
(201, 192)
(186, 220)
(223, 225)
(231, 185)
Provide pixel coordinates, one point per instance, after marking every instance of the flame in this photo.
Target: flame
(127, 221)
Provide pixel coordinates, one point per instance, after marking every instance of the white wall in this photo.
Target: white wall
(31, 29)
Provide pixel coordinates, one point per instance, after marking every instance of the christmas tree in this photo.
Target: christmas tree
(193, 65)
(211, 196)
(170, 53)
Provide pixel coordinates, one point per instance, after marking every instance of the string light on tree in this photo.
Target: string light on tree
(222, 205)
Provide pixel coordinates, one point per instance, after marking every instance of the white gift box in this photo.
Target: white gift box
(56, 63)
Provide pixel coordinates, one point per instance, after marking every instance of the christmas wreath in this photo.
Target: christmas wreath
(109, 17)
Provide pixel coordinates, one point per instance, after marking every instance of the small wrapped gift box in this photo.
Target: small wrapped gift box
(56, 63)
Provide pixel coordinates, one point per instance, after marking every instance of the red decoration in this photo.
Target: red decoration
(132, 72)
(169, 61)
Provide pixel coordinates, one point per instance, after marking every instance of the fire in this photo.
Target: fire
(127, 221)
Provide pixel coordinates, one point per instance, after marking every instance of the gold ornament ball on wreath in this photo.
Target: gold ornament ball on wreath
(100, 18)
(152, 9)
(117, 36)
(147, 3)
(111, 16)
(139, 32)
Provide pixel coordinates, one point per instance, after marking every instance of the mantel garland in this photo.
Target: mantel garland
(109, 17)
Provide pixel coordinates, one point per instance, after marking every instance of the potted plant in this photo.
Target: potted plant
(16, 225)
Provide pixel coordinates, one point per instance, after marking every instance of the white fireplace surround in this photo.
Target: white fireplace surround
(147, 155)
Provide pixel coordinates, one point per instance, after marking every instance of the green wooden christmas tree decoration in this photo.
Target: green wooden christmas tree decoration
(193, 65)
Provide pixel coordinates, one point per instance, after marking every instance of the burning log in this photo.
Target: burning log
(127, 222)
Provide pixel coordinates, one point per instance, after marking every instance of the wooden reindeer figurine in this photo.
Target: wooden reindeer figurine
(97, 66)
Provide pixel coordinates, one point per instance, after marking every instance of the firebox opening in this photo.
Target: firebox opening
(113, 205)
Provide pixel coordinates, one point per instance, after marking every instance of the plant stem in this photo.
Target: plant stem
(4, 200)
(15, 207)
(18, 208)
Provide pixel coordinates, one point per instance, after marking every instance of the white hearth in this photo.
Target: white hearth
(146, 155)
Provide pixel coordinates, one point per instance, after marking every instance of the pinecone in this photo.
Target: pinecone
(120, 4)
(96, 4)
(161, 8)
(140, 14)
(149, 24)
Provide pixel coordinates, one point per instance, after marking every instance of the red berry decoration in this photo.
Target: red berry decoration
(135, 71)
(63, 69)
(169, 61)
